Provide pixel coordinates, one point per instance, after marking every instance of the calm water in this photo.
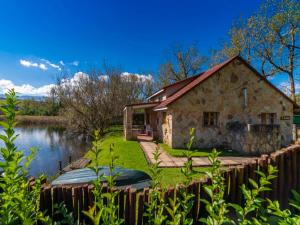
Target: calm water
(53, 145)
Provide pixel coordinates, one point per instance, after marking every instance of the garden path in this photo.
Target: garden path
(167, 160)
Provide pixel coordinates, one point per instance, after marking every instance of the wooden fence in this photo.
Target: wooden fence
(132, 203)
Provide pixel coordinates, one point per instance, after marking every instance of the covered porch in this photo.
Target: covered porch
(141, 122)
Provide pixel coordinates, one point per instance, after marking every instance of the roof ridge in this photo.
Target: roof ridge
(197, 79)
(185, 79)
(209, 73)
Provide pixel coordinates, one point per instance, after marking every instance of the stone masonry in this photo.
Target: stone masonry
(223, 93)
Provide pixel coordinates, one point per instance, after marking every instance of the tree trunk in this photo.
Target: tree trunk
(291, 66)
(292, 86)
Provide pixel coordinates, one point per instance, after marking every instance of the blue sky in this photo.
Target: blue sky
(40, 40)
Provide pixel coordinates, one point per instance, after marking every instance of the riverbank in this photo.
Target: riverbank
(39, 120)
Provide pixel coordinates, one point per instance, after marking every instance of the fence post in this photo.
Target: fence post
(127, 207)
(240, 181)
(121, 204)
(146, 201)
(203, 195)
(48, 200)
(140, 209)
(298, 169)
(132, 208)
(233, 183)
(196, 191)
(91, 195)
(294, 168)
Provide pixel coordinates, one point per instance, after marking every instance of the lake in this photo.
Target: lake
(53, 145)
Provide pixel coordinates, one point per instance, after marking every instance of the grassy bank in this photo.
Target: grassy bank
(197, 152)
(39, 120)
(131, 156)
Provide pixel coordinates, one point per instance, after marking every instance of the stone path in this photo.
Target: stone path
(167, 160)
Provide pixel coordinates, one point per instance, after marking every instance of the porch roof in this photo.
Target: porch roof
(143, 105)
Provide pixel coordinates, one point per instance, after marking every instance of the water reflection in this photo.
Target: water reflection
(53, 145)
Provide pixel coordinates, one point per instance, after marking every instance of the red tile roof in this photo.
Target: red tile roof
(165, 88)
(181, 81)
(199, 79)
(143, 103)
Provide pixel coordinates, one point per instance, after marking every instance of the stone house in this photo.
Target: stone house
(230, 105)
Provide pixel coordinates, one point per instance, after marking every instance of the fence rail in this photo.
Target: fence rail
(132, 203)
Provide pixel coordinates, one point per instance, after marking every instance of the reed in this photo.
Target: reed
(39, 120)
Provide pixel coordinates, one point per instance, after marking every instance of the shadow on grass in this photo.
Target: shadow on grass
(196, 152)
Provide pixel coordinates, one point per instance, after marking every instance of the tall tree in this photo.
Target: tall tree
(276, 32)
(269, 39)
(181, 63)
(240, 43)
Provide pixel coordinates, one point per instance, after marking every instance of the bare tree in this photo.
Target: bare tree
(94, 101)
(181, 63)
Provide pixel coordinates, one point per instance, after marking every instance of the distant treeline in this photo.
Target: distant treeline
(46, 107)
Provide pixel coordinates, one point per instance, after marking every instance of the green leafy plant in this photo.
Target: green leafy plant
(66, 216)
(295, 201)
(255, 210)
(182, 204)
(19, 200)
(216, 206)
(285, 217)
(105, 209)
(95, 213)
(253, 202)
(155, 208)
(111, 210)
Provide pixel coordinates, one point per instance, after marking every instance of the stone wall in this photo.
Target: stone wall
(255, 139)
(223, 93)
(167, 129)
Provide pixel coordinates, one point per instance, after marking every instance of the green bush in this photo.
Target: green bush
(19, 202)
(45, 107)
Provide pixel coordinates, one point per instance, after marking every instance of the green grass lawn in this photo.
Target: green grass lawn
(196, 152)
(131, 156)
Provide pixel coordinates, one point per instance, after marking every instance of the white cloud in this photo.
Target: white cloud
(75, 79)
(28, 64)
(103, 77)
(61, 62)
(42, 66)
(80, 75)
(75, 63)
(25, 89)
(141, 77)
(55, 66)
(285, 88)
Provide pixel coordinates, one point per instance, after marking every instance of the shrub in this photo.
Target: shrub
(19, 202)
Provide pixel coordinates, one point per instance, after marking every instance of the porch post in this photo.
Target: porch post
(128, 123)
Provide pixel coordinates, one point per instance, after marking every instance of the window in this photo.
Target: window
(210, 119)
(138, 119)
(245, 94)
(268, 118)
